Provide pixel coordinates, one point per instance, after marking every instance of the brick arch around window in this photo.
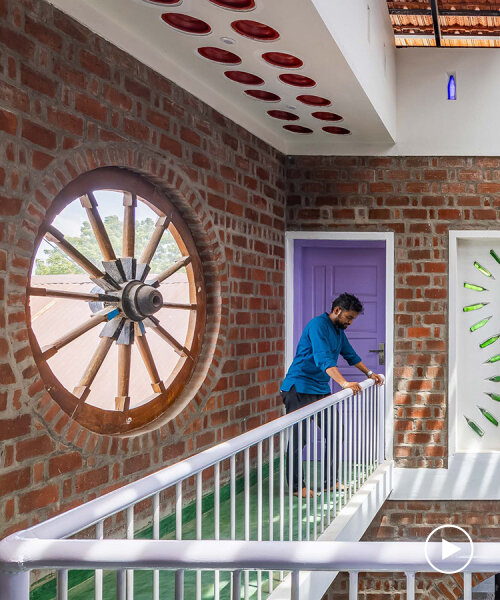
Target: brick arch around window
(173, 436)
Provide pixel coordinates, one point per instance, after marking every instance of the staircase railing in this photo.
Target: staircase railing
(234, 491)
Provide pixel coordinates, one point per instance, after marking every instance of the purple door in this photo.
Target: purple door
(323, 270)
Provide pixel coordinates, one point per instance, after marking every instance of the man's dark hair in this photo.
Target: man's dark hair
(347, 302)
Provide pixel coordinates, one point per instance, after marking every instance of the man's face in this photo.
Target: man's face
(343, 318)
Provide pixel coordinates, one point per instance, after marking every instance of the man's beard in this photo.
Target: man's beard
(340, 325)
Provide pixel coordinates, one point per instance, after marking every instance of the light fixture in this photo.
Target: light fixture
(452, 88)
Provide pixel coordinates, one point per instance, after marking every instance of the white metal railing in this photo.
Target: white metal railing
(246, 478)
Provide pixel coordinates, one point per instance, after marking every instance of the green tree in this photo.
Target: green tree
(55, 261)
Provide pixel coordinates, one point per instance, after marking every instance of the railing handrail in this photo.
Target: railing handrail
(81, 517)
(22, 555)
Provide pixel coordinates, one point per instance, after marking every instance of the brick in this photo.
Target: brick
(38, 135)
(93, 64)
(8, 122)
(17, 42)
(65, 463)
(91, 107)
(42, 33)
(39, 446)
(91, 479)
(9, 207)
(14, 480)
(64, 120)
(38, 82)
(37, 499)
(136, 464)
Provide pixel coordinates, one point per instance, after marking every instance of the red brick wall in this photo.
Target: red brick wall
(71, 102)
(420, 199)
(413, 520)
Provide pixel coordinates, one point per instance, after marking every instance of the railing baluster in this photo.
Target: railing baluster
(156, 536)
(349, 449)
(236, 585)
(359, 417)
(322, 477)
(99, 535)
(365, 436)
(353, 585)
(121, 585)
(216, 524)
(340, 433)
(354, 444)
(467, 585)
(271, 500)
(290, 482)
(410, 586)
(259, 513)
(295, 585)
(282, 491)
(247, 510)
(179, 575)
(330, 465)
(335, 452)
(130, 536)
(199, 516)
(345, 449)
(315, 476)
(62, 584)
(308, 478)
(300, 448)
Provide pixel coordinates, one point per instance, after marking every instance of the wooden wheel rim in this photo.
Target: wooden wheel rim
(148, 415)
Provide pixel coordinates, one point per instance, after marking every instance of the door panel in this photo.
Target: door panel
(325, 269)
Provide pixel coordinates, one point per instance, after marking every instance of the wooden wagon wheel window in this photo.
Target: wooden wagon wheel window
(117, 339)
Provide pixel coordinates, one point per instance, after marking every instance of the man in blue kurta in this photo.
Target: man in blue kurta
(315, 363)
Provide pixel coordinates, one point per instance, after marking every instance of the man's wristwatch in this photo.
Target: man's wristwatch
(369, 374)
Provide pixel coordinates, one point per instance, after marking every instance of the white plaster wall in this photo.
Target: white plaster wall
(428, 123)
(368, 48)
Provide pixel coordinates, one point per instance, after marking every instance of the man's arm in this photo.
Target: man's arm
(335, 374)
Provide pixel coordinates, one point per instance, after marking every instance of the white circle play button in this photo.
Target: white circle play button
(445, 556)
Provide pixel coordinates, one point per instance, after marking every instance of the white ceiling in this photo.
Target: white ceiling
(348, 51)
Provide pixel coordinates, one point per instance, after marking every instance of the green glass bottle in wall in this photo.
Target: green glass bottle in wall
(483, 270)
(495, 397)
(474, 427)
(489, 341)
(495, 256)
(476, 306)
(489, 416)
(480, 324)
(474, 287)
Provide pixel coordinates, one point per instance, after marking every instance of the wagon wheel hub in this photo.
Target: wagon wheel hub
(140, 300)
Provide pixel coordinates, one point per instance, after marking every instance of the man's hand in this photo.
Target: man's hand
(379, 380)
(352, 385)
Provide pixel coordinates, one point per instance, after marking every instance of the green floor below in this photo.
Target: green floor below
(81, 583)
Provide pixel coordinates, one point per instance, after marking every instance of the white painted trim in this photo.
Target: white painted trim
(454, 236)
(349, 526)
(388, 237)
(469, 476)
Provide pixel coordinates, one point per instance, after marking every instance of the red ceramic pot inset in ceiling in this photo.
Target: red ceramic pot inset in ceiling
(297, 129)
(219, 55)
(297, 80)
(186, 23)
(255, 30)
(263, 95)
(164, 2)
(244, 77)
(282, 60)
(283, 115)
(337, 130)
(235, 4)
(326, 116)
(313, 100)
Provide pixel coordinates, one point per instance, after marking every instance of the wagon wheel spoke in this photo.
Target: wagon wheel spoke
(179, 305)
(129, 203)
(173, 269)
(105, 315)
(55, 236)
(82, 390)
(122, 400)
(89, 203)
(35, 291)
(147, 357)
(152, 245)
(163, 333)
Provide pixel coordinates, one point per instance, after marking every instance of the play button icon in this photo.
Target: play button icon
(448, 549)
(445, 556)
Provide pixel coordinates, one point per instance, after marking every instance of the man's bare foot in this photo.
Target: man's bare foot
(304, 493)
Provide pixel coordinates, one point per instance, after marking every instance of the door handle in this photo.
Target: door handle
(381, 353)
